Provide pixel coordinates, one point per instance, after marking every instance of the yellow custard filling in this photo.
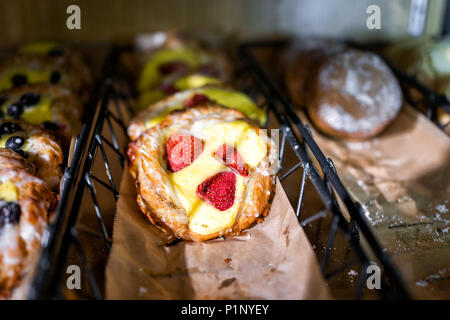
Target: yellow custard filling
(36, 114)
(150, 74)
(195, 81)
(42, 48)
(39, 113)
(203, 217)
(33, 76)
(8, 192)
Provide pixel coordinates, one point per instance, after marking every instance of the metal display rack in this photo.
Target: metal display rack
(310, 168)
(429, 99)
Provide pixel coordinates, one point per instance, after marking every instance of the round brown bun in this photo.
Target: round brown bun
(299, 62)
(204, 197)
(353, 95)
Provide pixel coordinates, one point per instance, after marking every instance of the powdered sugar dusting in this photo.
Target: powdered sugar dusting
(365, 79)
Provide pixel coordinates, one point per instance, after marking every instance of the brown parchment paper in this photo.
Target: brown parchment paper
(402, 180)
(271, 260)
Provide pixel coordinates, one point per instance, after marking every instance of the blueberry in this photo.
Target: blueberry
(14, 143)
(19, 79)
(9, 213)
(50, 126)
(9, 127)
(30, 99)
(15, 110)
(55, 77)
(56, 52)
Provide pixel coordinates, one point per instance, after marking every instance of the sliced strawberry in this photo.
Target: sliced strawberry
(173, 67)
(182, 150)
(195, 100)
(232, 159)
(219, 190)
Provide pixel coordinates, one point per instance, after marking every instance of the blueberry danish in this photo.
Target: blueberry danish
(25, 203)
(52, 107)
(35, 145)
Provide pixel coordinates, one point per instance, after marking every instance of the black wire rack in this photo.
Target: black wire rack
(419, 96)
(302, 164)
(428, 101)
(322, 173)
(103, 111)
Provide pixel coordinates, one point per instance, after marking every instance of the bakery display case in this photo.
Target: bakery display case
(277, 150)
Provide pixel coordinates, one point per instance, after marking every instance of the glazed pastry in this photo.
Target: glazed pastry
(353, 94)
(25, 203)
(175, 63)
(203, 173)
(37, 146)
(53, 107)
(173, 85)
(190, 98)
(426, 58)
(47, 62)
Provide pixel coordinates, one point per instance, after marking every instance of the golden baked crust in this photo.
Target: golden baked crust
(353, 95)
(219, 95)
(156, 196)
(137, 125)
(20, 242)
(10, 160)
(42, 149)
(66, 109)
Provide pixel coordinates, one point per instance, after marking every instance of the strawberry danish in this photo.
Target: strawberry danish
(47, 62)
(203, 172)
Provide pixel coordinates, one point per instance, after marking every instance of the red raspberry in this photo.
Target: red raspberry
(232, 159)
(182, 150)
(219, 190)
(196, 99)
(169, 88)
(173, 67)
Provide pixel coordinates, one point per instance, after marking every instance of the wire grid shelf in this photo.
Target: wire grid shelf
(295, 138)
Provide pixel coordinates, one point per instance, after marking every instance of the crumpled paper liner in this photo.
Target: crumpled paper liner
(402, 180)
(271, 260)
